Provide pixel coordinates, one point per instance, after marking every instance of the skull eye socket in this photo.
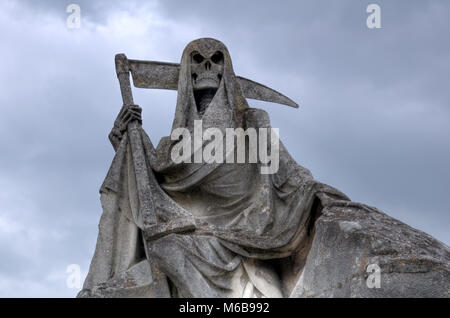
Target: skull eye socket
(217, 58)
(197, 58)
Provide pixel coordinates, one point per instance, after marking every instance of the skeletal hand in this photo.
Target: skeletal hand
(127, 114)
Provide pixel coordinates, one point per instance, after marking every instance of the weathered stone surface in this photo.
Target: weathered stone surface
(225, 229)
(139, 281)
(350, 237)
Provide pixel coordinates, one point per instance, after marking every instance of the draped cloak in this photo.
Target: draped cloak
(245, 219)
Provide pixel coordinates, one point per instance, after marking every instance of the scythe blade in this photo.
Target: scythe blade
(163, 75)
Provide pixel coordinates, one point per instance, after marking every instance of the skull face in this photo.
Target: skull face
(206, 71)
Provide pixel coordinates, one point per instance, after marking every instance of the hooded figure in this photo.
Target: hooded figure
(253, 230)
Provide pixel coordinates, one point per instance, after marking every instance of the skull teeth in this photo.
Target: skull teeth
(214, 77)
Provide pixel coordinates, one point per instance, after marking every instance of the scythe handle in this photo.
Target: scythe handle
(123, 74)
(152, 230)
(146, 206)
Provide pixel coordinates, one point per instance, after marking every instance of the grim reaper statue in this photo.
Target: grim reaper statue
(202, 229)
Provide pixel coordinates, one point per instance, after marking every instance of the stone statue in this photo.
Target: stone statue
(225, 229)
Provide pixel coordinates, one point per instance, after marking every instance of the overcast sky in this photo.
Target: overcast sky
(374, 116)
